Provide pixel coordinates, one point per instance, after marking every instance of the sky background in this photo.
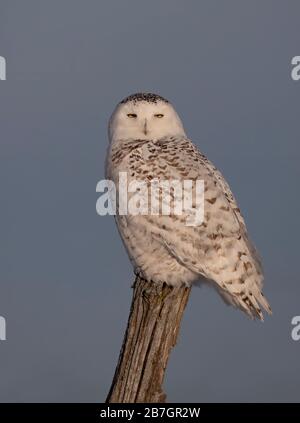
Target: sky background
(64, 274)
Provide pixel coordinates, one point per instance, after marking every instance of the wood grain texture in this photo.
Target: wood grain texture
(152, 330)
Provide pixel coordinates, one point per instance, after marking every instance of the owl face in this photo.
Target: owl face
(144, 116)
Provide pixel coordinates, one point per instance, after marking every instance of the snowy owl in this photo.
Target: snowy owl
(148, 142)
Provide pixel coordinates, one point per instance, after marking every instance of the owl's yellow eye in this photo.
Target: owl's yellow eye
(132, 115)
(159, 115)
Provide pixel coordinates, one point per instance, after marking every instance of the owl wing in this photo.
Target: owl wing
(219, 248)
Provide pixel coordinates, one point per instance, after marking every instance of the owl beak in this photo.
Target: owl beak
(145, 129)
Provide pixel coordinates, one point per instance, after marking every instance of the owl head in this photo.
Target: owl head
(144, 116)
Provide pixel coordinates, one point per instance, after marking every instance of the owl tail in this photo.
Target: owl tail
(250, 302)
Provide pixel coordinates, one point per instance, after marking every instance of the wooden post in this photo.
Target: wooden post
(152, 330)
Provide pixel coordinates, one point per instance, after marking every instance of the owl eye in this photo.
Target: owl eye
(159, 115)
(132, 115)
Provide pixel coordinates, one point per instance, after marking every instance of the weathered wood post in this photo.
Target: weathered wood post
(152, 330)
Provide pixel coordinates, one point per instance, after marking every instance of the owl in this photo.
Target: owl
(147, 143)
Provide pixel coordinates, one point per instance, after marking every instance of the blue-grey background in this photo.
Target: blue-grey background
(64, 274)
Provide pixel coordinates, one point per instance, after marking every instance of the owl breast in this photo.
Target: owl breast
(145, 161)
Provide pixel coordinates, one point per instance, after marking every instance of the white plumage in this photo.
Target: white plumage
(147, 141)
